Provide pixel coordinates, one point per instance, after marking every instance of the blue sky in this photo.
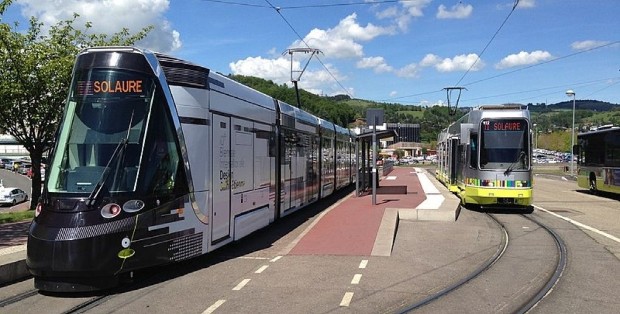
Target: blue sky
(391, 51)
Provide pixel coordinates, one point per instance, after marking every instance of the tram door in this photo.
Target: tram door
(221, 178)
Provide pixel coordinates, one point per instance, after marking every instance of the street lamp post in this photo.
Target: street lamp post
(571, 93)
(535, 136)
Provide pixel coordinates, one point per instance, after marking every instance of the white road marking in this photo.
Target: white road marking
(427, 185)
(275, 259)
(251, 257)
(241, 284)
(260, 270)
(356, 279)
(431, 202)
(390, 178)
(363, 263)
(346, 299)
(214, 307)
(578, 224)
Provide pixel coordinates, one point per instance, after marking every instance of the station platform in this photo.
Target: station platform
(352, 226)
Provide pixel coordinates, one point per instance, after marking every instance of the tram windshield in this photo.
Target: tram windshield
(103, 139)
(504, 144)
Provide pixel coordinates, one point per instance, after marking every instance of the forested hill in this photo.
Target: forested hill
(593, 105)
(343, 110)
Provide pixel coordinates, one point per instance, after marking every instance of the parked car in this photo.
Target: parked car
(4, 161)
(24, 168)
(12, 196)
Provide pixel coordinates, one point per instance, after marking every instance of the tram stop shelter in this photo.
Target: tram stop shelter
(363, 145)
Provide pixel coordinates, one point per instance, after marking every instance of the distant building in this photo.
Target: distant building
(10, 147)
(407, 132)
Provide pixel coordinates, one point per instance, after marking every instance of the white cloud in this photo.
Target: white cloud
(378, 64)
(343, 40)
(415, 7)
(457, 11)
(524, 58)
(430, 60)
(587, 44)
(393, 93)
(109, 17)
(387, 13)
(526, 4)
(279, 71)
(408, 71)
(460, 63)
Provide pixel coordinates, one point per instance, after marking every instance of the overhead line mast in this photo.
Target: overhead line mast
(294, 77)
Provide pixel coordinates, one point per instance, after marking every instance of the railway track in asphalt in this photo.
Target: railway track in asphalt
(522, 297)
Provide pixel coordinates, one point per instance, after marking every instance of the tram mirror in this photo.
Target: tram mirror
(465, 130)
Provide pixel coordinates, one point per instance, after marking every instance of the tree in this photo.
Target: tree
(35, 78)
(399, 153)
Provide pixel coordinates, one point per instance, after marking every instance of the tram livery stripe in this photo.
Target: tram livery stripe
(192, 120)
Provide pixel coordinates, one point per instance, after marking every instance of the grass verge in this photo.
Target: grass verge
(16, 216)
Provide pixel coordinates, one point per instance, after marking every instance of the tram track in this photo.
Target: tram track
(525, 306)
(18, 297)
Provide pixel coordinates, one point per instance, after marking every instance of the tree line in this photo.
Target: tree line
(35, 76)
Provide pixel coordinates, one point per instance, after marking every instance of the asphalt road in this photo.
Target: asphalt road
(253, 276)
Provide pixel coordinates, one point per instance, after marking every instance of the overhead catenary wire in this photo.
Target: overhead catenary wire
(277, 9)
(516, 3)
(308, 6)
(544, 62)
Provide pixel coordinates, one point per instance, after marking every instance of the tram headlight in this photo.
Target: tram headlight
(110, 210)
(133, 206)
(38, 210)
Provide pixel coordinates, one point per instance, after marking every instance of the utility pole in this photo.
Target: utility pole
(296, 74)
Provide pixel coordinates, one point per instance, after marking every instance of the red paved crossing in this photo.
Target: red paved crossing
(350, 228)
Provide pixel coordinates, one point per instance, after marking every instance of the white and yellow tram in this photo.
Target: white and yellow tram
(485, 156)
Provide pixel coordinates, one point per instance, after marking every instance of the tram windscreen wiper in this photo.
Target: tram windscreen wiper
(94, 195)
(512, 165)
(118, 151)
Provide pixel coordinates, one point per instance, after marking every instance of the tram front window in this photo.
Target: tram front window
(504, 144)
(102, 133)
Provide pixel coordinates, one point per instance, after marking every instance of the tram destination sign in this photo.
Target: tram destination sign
(504, 125)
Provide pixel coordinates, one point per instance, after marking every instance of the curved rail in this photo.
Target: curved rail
(559, 269)
(532, 302)
(486, 265)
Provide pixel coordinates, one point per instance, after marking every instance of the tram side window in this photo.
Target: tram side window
(473, 151)
(163, 168)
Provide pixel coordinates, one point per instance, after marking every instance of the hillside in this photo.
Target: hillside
(343, 110)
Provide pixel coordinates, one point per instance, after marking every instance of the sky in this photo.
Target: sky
(394, 51)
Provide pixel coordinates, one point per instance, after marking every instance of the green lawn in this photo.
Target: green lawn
(16, 216)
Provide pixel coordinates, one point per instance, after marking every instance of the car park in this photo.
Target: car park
(12, 196)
